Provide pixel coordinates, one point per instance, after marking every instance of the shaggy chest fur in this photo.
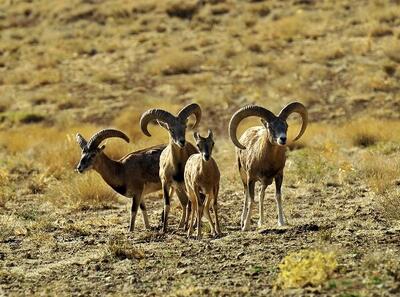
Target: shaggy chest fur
(173, 161)
(260, 159)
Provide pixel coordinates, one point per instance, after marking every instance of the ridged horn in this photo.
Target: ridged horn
(81, 141)
(104, 134)
(155, 114)
(244, 112)
(298, 108)
(188, 110)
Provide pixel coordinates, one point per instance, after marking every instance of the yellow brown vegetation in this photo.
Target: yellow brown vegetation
(306, 267)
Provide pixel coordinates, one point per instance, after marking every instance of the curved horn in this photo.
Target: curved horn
(300, 109)
(103, 134)
(154, 114)
(244, 112)
(81, 141)
(193, 108)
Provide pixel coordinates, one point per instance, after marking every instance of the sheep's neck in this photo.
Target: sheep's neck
(178, 153)
(109, 170)
(275, 153)
(204, 165)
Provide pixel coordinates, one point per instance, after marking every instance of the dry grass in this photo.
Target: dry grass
(83, 192)
(122, 249)
(298, 25)
(390, 203)
(174, 61)
(11, 226)
(367, 131)
(381, 172)
(392, 50)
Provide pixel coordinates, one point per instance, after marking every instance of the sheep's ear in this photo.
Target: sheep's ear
(210, 134)
(81, 141)
(196, 136)
(265, 123)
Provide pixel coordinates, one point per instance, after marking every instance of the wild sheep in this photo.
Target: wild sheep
(132, 176)
(202, 184)
(261, 154)
(173, 158)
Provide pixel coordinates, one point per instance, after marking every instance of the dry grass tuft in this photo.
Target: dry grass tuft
(77, 229)
(390, 203)
(122, 249)
(380, 172)
(22, 117)
(174, 61)
(61, 157)
(83, 192)
(305, 268)
(381, 31)
(184, 9)
(392, 50)
(11, 226)
(364, 139)
(9, 277)
(366, 132)
(300, 24)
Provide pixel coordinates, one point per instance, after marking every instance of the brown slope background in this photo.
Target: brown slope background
(82, 65)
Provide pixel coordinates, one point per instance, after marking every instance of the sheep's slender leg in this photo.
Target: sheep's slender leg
(192, 214)
(199, 213)
(144, 213)
(134, 209)
(166, 207)
(250, 198)
(261, 205)
(188, 212)
(184, 202)
(278, 185)
(207, 213)
(245, 204)
(171, 193)
(215, 208)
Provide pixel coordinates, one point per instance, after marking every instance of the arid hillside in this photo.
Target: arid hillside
(82, 65)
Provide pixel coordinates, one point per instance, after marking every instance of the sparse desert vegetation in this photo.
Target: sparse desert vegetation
(80, 66)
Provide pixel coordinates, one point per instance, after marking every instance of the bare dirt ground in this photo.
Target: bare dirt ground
(82, 65)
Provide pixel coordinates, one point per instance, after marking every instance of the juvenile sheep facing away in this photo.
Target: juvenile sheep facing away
(133, 176)
(261, 154)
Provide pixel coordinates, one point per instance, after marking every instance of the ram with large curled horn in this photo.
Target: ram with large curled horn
(132, 176)
(173, 158)
(261, 154)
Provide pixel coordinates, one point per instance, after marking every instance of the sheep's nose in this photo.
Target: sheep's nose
(206, 157)
(78, 169)
(282, 140)
(181, 142)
